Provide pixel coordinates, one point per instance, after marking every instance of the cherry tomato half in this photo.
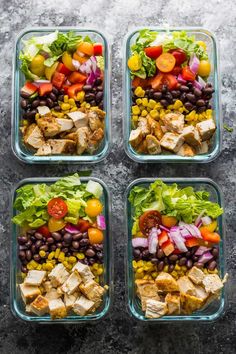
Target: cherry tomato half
(55, 224)
(153, 52)
(44, 230)
(180, 56)
(187, 74)
(148, 220)
(57, 208)
(83, 225)
(164, 79)
(95, 235)
(165, 62)
(176, 71)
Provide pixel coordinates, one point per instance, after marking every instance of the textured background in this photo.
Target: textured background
(119, 333)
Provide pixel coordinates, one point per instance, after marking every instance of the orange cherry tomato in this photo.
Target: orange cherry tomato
(93, 208)
(165, 62)
(95, 235)
(148, 220)
(83, 225)
(57, 208)
(55, 224)
(85, 48)
(168, 221)
(80, 59)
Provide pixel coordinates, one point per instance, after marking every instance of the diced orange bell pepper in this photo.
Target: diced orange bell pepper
(192, 242)
(58, 79)
(208, 236)
(85, 48)
(74, 89)
(163, 237)
(45, 88)
(80, 59)
(76, 78)
(168, 247)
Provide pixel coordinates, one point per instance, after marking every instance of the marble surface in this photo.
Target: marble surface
(119, 333)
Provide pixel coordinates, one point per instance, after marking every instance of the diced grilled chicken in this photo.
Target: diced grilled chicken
(84, 271)
(155, 128)
(83, 306)
(186, 286)
(146, 288)
(52, 294)
(97, 135)
(153, 145)
(92, 146)
(65, 124)
(40, 305)
(142, 147)
(72, 283)
(47, 286)
(174, 122)
(29, 292)
(155, 309)
(212, 283)
(206, 129)
(79, 118)
(203, 148)
(135, 137)
(43, 110)
(44, 150)
(173, 303)
(57, 309)
(166, 283)
(94, 121)
(82, 140)
(69, 300)
(34, 136)
(196, 275)
(71, 136)
(172, 142)
(101, 114)
(191, 136)
(92, 290)
(49, 126)
(190, 303)
(62, 146)
(201, 292)
(58, 275)
(186, 150)
(144, 126)
(35, 277)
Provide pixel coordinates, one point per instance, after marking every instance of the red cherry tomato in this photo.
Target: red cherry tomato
(83, 225)
(179, 55)
(57, 208)
(164, 79)
(176, 71)
(187, 74)
(148, 220)
(153, 52)
(44, 230)
(97, 49)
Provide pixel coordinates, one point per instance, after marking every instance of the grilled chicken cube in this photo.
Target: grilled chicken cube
(97, 135)
(206, 129)
(71, 136)
(203, 148)
(29, 292)
(153, 145)
(49, 126)
(94, 121)
(35, 277)
(166, 283)
(62, 146)
(71, 283)
(47, 285)
(155, 128)
(101, 114)
(43, 110)
(82, 306)
(190, 303)
(191, 136)
(44, 150)
(92, 290)
(144, 126)
(34, 136)
(40, 305)
(146, 289)
(65, 124)
(186, 150)
(135, 137)
(69, 300)
(142, 147)
(57, 309)
(174, 122)
(201, 292)
(186, 286)
(84, 271)
(82, 139)
(155, 309)
(196, 275)
(212, 283)
(172, 142)
(173, 303)
(80, 119)
(58, 275)
(92, 146)
(52, 294)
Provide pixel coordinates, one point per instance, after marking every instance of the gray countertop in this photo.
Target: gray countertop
(119, 333)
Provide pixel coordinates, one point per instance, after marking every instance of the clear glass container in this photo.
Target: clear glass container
(217, 307)
(216, 142)
(16, 302)
(18, 79)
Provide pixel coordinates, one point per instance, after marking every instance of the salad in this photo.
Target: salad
(60, 247)
(171, 94)
(175, 244)
(62, 96)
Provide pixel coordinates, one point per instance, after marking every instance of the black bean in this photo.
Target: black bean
(24, 269)
(52, 96)
(160, 253)
(59, 245)
(215, 252)
(50, 240)
(56, 236)
(98, 82)
(50, 102)
(55, 91)
(154, 260)
(188, 254)
(28, 244)
(100, 105)
(30, 114)
(38, 236)
(22, 240)
(89, 97)
(65, 250)
(99, 247)
(212, 265)
(22, 248)
(42, 103)
(201, 109)
(182, 261)
(151, 93)
(197, 92)
(188, 106)
(62, 91)
(173, 257)
(175, 93)
(195, 258)
(93, 103)
(200, 103)
(75, 244)
(23, 103)
(145, 254)
(53, 247)
(28, 255)
(184, 88)
(37, 257)
(91, 261)
(57, 108)
(100, 255)
(83, 242)
(183, 97)
(171, 268)
(38, 243)
(32, 238)
(208, 90)
(160, 266)
(87, 88)
(166, 260)
(77, 237)
(199, 265)
(24, 94)
(189, 84)
(99, 96)
(83, 249)
(99, 88)
(65, 244)
(67, 237)
(136, 253)
(33, 249)
(35, 103)
(90, 253)
(164, 103)
(44, 248)
(189, 263)
(31, 232)
(61, 98)
(191, 97)
(157, 95)
(22, 255)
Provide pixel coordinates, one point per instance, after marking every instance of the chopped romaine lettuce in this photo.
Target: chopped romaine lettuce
(94, 188)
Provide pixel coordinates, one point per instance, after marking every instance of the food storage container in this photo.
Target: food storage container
(216, 308)
(17, 305)
(215, 149)
(18, 147)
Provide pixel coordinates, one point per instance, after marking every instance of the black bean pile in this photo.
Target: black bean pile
(94, 94)
(188, 259)
(192, 98)
(33, 242)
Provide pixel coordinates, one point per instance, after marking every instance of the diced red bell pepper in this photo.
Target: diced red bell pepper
(44, 230)
(192, 242)
(45, 88)
(176, 251)
(163, 237)
(153, 52)
(58, 79)
(74, 89)
(137, 81)
(29, 88)
(187, 74)
(65, 88)
(61, 68)
(97, 49)
(168, 247)
(76, 78)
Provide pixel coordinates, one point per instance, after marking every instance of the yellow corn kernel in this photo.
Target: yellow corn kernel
(37, 116)
(134, 263)
(69, 266)
(146, 277)
(44, 266)
(170, 107)
(140, 263)
(149, 263)
(61, 257)
(74, 109)
(140, 270)
(177, 104)
(100, 271)
(151, 103)
(65, 106)
(139, 92)
(181, 109)
(57, 252)
(80, 255)
(41, 288)
(158, 106)
(80, 96)
(154, 113)
(95, 266)
(66, 98)
(149, 109)
(51, 255)
(39, 267)
(165, 268)
(139, 275)
(42, 253)
(184, 268)
(139, 101)
(71, 101)
(83, 104)
(65, 263)
(145, 101)
(71, 259)
(144, 113)
(49, 267)
(87, 105)
(154, 275)
(177, 267)
(29, 266)
(96, 279)
(141, 107)
(135, 118)
(146, 267)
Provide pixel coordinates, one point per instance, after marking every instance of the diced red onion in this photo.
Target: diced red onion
(178, 240)
(76, 64)
(194, 63)
(201, 81)
(206, 257)
(101, 222)
(86, 67)
(140, 242)
(153, 240)
(201, 250)
(91, 78)
(181, 79)
(94, 63)
(206, 220)
(199, 219)
(72, 229)
(40, 82)
(164, 228)
(197, 84)
(192, 229)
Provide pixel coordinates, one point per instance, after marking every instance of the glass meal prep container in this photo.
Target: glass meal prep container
(19, 149)
(214, 78)
(216, 308)
(17, 304)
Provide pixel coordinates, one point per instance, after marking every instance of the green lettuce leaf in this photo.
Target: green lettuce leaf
(26, 71)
